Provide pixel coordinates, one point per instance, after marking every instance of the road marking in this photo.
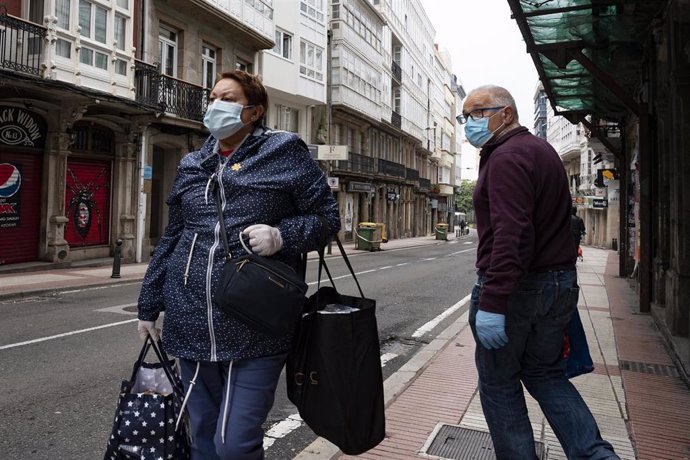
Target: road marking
(434, 322)
(99, 287)
(467, 242)
(400, 265)
(58, 336)
(430, 258)
(119, 309)
(282, 429)
(459, 252)
(386, 267)
(387, 357)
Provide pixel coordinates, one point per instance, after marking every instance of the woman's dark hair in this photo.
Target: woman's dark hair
(253, 88)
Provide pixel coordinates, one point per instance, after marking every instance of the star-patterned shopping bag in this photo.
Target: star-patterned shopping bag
(144, 424)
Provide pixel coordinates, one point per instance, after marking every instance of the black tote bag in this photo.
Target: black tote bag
(146, 425)
(334, 369)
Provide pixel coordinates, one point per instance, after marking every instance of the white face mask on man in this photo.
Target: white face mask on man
(223, 119)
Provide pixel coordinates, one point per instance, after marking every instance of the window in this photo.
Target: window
(313, 9)
(311, 60)
(62, 9)
(93, 58)
(208, 66)
(168, 57)
(283, 44)
(63, 48)
(241, 64)
(123, 4)
(120, 31)
(121, 67)
(288, 118)
(396, 100)
(93, 21)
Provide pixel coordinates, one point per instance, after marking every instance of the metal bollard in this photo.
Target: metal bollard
(614, 244)
(116, 259)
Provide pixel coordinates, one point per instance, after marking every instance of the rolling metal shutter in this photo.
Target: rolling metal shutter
(20, 206)
(87, 202)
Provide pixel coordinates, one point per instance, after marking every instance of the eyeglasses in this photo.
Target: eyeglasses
(476, 114)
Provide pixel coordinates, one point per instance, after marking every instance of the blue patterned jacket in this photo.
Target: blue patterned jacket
(270, 179)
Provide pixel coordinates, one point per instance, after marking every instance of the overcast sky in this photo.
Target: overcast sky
(486, 47)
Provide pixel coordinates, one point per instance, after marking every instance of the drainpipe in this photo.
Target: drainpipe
(141, 209)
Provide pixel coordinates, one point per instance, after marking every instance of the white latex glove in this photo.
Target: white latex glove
(147, 328)
(264, 239)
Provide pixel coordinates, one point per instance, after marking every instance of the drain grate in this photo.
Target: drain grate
(649, 368)
(456, 443)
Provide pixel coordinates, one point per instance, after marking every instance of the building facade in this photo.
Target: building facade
(540, 111)
(392, 102)
(593, 178)
(99, 100)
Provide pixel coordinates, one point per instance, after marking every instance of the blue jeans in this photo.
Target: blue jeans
(249, 399)
(536, 320)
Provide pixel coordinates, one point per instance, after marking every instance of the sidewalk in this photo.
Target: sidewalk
(635, 393)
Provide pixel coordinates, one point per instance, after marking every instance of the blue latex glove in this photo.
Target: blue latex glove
(491, 329)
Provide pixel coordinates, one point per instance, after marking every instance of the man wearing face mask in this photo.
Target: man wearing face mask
(527, 286)
(272, 191)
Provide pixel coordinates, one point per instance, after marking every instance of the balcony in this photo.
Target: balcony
(21, 45)
(396, 119)
(389, 168)
(358, 164)
(424, 184)
(168, 94)
(396, 71)
(411, 175)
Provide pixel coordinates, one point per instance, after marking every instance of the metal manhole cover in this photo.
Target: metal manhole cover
(457, 443)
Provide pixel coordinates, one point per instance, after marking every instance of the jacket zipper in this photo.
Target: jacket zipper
(189, 259)
(209, 267)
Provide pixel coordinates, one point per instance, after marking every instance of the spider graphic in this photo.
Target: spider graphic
(82, 204)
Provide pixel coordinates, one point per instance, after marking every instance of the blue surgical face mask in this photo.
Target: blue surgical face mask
(223, 119)
(477, 131)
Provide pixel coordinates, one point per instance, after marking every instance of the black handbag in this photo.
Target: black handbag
(333, 372)
(265, 294)
(147, 418)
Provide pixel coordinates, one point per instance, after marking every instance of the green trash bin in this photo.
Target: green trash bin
(366, 238)
(442, 231)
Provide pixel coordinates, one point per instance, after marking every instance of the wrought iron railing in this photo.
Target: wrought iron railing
(397, 71)
(356, 164)
(396, 119)
(146, 80)
(391, 169)
(411, 174)
(424, 184)
(169, 94)
(21, 44)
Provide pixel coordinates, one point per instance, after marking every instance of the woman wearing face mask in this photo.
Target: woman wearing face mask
(273, 192)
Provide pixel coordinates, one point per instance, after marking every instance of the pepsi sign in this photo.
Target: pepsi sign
(10, 180)
(10, 184)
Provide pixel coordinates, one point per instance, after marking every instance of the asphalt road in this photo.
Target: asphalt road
(58, 396)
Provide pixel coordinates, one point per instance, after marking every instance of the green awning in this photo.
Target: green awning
(589, 54)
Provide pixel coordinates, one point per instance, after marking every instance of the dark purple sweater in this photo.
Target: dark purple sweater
(522, 205)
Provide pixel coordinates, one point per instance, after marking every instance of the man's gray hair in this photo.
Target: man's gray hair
(499, 96)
